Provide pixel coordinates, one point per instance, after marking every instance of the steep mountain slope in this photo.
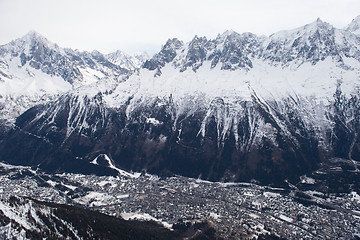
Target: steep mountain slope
(24, 218)
(238, 107)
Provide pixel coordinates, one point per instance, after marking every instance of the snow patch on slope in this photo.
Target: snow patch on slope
(145, 217)
(354, 26)
(112, 166)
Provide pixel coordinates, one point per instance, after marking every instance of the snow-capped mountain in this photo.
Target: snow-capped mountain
(237, 107)
(354, 26)
(312, 43)
(230, 49)
(34, 70)
(126, 61)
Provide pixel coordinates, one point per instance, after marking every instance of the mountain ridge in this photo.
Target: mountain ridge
(32, 68)
(354, 26)
(234, 108)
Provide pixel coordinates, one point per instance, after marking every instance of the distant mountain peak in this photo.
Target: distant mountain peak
(319, 21)
(229, 32)
(308, 29)
(34, 34)
(173, 43)
(96, 53)
(354, 26)
(32, 40)
(127, 61)
(225, 35)
(319, 24)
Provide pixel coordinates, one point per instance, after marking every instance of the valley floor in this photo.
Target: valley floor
(235, 210)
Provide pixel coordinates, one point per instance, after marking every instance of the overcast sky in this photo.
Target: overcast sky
(144, 25)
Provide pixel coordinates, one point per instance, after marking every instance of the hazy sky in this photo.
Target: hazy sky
(144, 25)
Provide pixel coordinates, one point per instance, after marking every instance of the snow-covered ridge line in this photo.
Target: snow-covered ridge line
(312, 43)
(34, 70)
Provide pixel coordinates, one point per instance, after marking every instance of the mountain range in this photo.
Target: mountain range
(239, 107)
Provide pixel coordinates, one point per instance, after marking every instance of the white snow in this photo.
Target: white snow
(96, 199)
(127, 61)
(355, 197)
(24, 87)
(69, 186)
(145, 217)
(307, 180)
(95, 161)
(52, 183)
(153, 121)
(111, 165)
(90, 76)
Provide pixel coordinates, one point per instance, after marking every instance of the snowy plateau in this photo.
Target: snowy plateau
(280, 110)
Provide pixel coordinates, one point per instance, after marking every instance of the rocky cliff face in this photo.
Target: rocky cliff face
(235, 108)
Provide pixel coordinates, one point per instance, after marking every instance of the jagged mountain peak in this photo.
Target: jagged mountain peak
(231, 35)
(312, 43)
(231, 49)
(96, 53)
(32, 34)
(127, 61)
(34, 39)
(198, 39)
(166, 54)
(173, 43)
(197, 42)
(30, 42)
(117, 57)
(119, 53)
(315, 27)
(34, 70)
(228, 34)
(318, 25)
(354, 26)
